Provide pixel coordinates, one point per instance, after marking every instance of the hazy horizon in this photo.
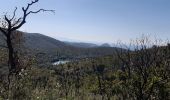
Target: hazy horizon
(97, 21)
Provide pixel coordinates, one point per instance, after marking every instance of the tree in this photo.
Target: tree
(9, 26)
(9, 29)
(146, 70)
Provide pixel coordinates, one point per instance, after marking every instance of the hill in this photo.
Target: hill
(46, 47)
(105, 45)
(81, 44)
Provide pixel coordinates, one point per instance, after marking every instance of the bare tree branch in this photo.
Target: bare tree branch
(16, 22)
(26, 13)
(8, 21)
(14, 14)
(39, 11)
(29, 4)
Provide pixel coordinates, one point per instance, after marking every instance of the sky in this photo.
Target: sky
(97, 21)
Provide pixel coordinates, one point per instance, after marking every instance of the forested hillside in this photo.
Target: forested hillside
(141, 74)
(38, 67)
(48, 49)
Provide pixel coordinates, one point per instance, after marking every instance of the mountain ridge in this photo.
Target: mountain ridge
(38, 43)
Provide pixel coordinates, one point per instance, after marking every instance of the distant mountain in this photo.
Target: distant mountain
(87, 45)
(105, 45)
(81, 44)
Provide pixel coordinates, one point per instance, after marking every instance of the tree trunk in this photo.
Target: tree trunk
(11, 62)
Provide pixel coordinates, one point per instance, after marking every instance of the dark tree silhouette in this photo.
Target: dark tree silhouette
(11, 24)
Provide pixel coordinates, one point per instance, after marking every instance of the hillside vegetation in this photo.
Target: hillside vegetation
(142, 74)
(38, 67)
(47, 49)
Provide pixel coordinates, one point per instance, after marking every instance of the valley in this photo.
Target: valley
(84, 50)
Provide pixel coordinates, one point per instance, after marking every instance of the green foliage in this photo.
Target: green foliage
(102, 78)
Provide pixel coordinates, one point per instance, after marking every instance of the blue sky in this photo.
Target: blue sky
(97, 20)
